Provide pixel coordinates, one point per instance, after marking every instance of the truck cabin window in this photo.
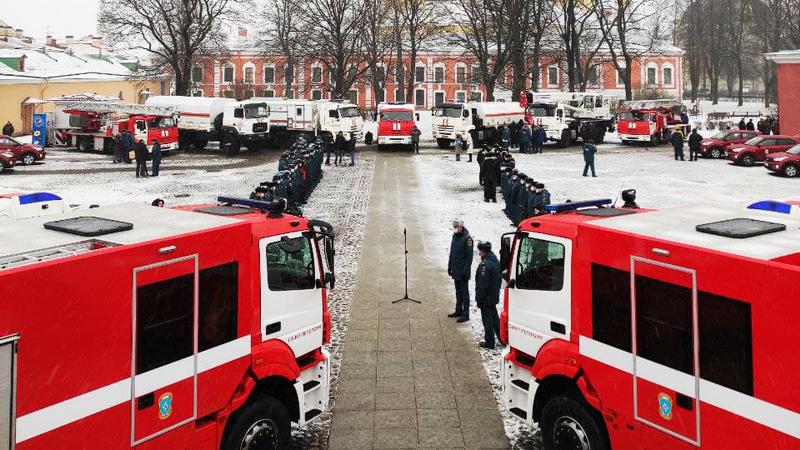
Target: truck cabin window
(238, 113)
(333, 114)
(290, 265)
(397, 115)
(160, 122)
(445, 111)
(541, 111)
(540, 265)
(141, 125)
(348, 112)
(256, 111)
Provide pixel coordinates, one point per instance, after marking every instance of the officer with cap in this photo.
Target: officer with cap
(542, 200)
(259, 193)
(487, 293)
(488, 175)
(459, 267)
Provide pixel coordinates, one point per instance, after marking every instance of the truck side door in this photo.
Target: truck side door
(291, 292)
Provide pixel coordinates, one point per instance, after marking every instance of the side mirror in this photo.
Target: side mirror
(465, 113)
(505, 252)
(330, 279)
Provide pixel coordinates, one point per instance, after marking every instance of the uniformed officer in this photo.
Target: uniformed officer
(459, 268)
(488, 174)
(543, 199)
(259, 193)
(487, 293)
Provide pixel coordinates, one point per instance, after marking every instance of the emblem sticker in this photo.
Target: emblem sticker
(665, 406)
(165, 405)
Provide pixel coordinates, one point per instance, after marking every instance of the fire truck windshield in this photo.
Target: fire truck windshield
(542, 110)
(290, 265)
(348, 112)
(447, 111)
(160, 122)
(397, 115)
(256, 111)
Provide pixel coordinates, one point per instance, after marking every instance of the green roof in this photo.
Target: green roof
(11, 62)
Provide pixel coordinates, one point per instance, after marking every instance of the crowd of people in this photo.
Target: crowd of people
(524, 197)
(299, 172)
(339, 146)
(528, 139)
(768, 125)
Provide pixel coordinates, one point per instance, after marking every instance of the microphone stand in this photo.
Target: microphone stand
(405, 248)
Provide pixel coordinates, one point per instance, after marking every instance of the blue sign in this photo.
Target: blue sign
(39, 130)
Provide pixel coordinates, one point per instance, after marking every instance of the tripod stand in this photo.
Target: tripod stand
(405, 249)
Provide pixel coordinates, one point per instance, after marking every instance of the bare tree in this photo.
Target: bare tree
(577, 28)
(282, 35)
(377, 45)
(770, 26)
(174, 32)
(541, 22)
(414, 27)
(691, 32)
(528, 20)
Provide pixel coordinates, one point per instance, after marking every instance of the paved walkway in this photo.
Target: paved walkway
(411, 377)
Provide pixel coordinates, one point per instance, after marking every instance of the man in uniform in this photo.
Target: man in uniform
(588, 158)
(542, 199)
(487, 293)
(459, 267)
(488, 175)
(694, 145)
(415, 133)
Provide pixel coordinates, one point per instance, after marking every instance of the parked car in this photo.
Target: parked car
(786, 163)
(27, 154)
(7, 160)
(717, 145)
(757, 148)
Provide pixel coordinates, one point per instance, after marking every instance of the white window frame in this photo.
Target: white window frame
(233, 73)
(475, 72)
(203, 71)
(264, 73)
(463, 93)
(617, 77)
(558, 75)
(465, 68)
(474, 93)
(384, 95)
(671, 68)
(317, 66)
(295, 74)
(647, 68)
(424, 73)
(245, 66)
(444, 73)
(358, 93)
(395, 96)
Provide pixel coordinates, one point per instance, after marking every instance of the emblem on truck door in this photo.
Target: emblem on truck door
(665, 406)
(165, 405)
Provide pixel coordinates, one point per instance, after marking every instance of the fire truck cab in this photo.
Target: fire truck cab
(396, 123)
(646, 120)
(201, 327)
(639, 329)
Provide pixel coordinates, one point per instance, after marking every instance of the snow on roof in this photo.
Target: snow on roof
(678, 225)
(785, 56)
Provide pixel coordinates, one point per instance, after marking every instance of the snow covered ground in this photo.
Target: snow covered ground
(660, 181)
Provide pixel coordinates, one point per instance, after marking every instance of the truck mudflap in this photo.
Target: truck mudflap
(313, 388)
(519, 388)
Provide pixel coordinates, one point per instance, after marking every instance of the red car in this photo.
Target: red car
(716, 146)
(757, 148)
(7, 160)
(787, 163)
(27, 154)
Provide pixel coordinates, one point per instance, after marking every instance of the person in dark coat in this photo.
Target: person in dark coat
(677, 144)
(415, 133)
(127, 146)
(542, 199)
(589, 151)
(776, 127)
(539, 136)
(742, 125)
(750, 125)
(525, 140)
(116, 145)
(351, 148)
(327, 144)
(488, 175)
(8, 129)
(505, 137)
(156, 157)
(339, 146)
(140, 152)
(158, 203)
(684, 118)
(694, 144)
(459, 267)
(368, 138)
(487, 293)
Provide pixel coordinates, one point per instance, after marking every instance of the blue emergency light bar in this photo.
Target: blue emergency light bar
(37, 197)
(573, 206)
(274, 206)
(773, 206)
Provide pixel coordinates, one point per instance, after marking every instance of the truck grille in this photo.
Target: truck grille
(260, 127)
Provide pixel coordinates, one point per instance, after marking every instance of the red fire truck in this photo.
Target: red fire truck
(92, 125)
(200, 327)
(637, 329)
(395, 123)
(646, 120)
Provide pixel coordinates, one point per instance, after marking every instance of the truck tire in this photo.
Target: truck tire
(569, 423)
(200, 143)
(218, 123)
(566, 139)
(263, 423)
(443, 143)
(84, 144)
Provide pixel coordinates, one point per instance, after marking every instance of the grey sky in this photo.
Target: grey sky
(59, 17)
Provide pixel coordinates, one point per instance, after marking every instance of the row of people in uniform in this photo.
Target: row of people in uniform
(491, 160)
(299, 172)
(524, 196)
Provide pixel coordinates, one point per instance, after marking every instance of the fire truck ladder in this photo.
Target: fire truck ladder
(51, 253)
(651, 104)
(119, 108)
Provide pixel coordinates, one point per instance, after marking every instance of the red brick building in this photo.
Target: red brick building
(443, 75)
(788, 90)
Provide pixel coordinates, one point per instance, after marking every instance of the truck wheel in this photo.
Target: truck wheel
(601, 136)
(443, 143)
(566, 139)
(83, 144)
(748, 160)
(715, 153)
(569, 424)
(262, 424)
(200, 144)
(791, 170)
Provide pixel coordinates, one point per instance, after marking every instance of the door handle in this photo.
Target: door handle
(272, 328)
(558, 327)
(146, 401)
(683, 401)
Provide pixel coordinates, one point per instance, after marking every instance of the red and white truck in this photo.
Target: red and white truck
(200, 327)
(395, 123)
(93, 125)
(646, 120)
(641, 329)
(480, 120)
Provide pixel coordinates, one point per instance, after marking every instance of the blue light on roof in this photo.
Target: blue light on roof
(772, 205)
(37, 197)
(572, 206)
(256, 204)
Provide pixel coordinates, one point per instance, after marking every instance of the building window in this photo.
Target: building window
(316, 94)
(540, 265)
(269, 75)
(667, 76)
(476, 75)
(218, 305)
(397, 96)
(461, 96)
(197, 93)
(438, 98)
(461, 74)
(419, 97)
(249, 74)
(621, 75)
(651, 76)
(419, 74)
(438, 74)
(289, 94)
(197, 74)
(316, 75)
(477, 96)
(227, 74)
(726, 342)
(552, 75)
(380, 95)
(353, 96)
(380, 73)
(268, 93)
(164, 322)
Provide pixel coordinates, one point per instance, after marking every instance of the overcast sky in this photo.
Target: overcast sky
(58, 17)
